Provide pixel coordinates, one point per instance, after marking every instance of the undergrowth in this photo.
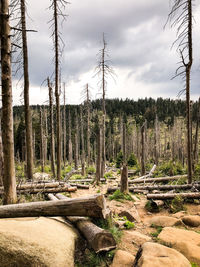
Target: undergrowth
(118, 196)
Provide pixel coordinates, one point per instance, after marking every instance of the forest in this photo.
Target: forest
(106, 182)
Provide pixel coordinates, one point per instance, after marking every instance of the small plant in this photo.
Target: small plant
(68, 169)
(98, 191)
(108, 174)
(151, 206)
(119, 159)
(177, 204)
(129, 225)
(77, 177)
(119, 196)
(158, 231)
(90, 170)
(132, 161)
(194, 264)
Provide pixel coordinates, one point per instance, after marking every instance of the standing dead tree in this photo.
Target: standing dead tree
(196, 139)
(104, 70)
(1, 158)
(52, 142)
(9, 179)
(69, 139)
(82, 143)
(64, 126)
(181, 18)
(57, 6)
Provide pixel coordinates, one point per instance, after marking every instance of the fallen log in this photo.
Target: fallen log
(131, 189)
(165, 187)
(69, 174)
(46, 190)
(86, 180)
(98, 238)
(92, 206)
(147, 175)
(158, 180)
(81, 186)
(39, 185)
(188, 195)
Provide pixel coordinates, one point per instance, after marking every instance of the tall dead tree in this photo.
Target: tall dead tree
(196, 139)
(57, 6)
(181, 17)
(76, 142)
(143, 149)
(41, 141)
(9, 179)
(124, 172)
(64, 127)
(52, 142)
(82, 143)
(28, 120)
(99, 155)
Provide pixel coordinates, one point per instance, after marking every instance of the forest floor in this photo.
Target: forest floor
(149, 232)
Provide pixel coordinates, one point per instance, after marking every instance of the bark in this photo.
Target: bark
(28, 120)
(88, 127)
(188, 195)
(38, 185)
(1, 158)
(98, 238)
(52, 142)
(64, 130)
(87, 180)
(165, 187)
(57, 95)
(47, 190)
(124, 179)
(196, 141)
(92, 206)
(9, 180)
(124, 143)
(80, 186)
(142, 150)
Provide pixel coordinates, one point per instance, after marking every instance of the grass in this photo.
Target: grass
(108, 174)
(158, 231)
(118, 196)
(194, 264)
(129, 225)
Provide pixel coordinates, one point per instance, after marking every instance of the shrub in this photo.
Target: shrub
(90, 170)
(170, 168)
(177, 204)
(119, 159)
(108, 174)
(132, 161)
(129, 225)
(117, 195)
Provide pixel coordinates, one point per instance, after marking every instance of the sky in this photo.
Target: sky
(139, 50)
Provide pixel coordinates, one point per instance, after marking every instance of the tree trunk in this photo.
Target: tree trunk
(142, 150)
(28, 120)
(158, 180)
(47, 190)
(41, 141)
(82, 145)
(88, 127)
(91, 206)
(124, 179)
(196, 141)
(64, 130)
(171, 196)
(1, 158)
(52, 142)
(98, 238)
(57, 94)
(76, 142)
(99, 156)
(9, 180)
(70, 141)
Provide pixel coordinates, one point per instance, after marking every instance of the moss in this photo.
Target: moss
(118, 196)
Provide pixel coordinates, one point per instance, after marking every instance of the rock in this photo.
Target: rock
(132, 215)
(156, 255)
(164, 221)
(36, 242)
(191, 220)
(185, 241)
(138, 238)
(179, 214)
(122, 259)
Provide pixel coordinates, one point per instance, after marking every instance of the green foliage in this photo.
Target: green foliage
(108, 174)
(151, 206)
(90, 170)
(119, 159)
(177, 204)
(129, 225)
(132, 161)
(47, 168)
(194, 264)
(197, 171)
(77, 177)
(158, 231)
(68, 169)
(117, 195)
(169, 168)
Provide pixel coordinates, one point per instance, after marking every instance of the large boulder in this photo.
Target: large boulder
(36, 242)
(185, 241)
(122, 259)
(164, 221)
(191, 220)
(156, 255)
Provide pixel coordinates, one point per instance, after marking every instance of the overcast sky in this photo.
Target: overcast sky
(138, 46)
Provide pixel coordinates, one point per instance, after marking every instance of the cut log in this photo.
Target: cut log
(39, 185)
(189, 195)
(98, 238)
(165, 187)
(158, 180)
(131, 189)
(86, 180)
(92, 206)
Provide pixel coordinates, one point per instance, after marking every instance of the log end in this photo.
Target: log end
(103, 241)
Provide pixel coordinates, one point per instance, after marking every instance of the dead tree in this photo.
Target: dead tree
(181, 17)
(143, 149)
(82, 144)
(41, 141)
(1, 158)
(52, 142)
(9, 180)
(76, 142)
(99, 155)
(124, 173)
(64, 127)
(195, 151)
(70, 139)
(28, 120)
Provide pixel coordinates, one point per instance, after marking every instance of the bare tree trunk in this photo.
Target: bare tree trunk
(41, 141)
(28, 120)
(124, 179)
(64, 130)
(76, 142)
(1, 159)
(124, 144)
(88, 127)
(52, 142)
(70, 141)
(82, 145)
(195, 153)
(156, 140)
(57, 94)
(143, 150)
(9, 180)
(99, 156)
